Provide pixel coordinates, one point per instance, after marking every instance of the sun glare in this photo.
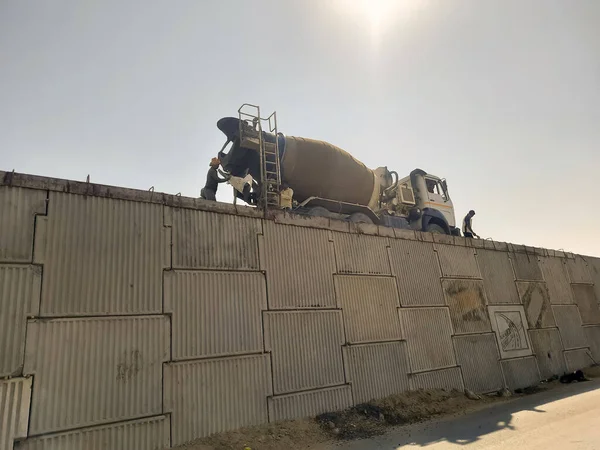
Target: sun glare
(380, 15)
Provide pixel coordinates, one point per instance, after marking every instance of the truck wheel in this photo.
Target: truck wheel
(318, 211)
(434, 228)
(359, 218)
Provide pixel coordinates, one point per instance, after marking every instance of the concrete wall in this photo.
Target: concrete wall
(147, 320)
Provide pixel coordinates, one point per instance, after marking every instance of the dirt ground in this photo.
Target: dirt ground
(362, 421)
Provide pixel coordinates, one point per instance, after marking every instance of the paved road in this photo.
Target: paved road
(564, 418)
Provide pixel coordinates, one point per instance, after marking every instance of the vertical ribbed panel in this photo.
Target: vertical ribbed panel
(446, 379)
(416, 266)
(427, 332)
(369, 308)
(592, 335)
(479, 359)
(206, 397)
(358, 253)
(569, 324)
(578, 270)
(548, 350)
(18, 208)
(510, 325)
(300, 265)
(96, 370)
(377, 370)
(466, 299)
(498, 277)
(309, 403)
(101, 256)
(457, 261)
(594, 269)
(536, 301)
(306, 349)
(15, 396)
(555, 274)
(144, 434)
(585, 298)
(521, 373)
(19, 298)
(215, 313)
(578, 359)
(206, 240)
(526, 267)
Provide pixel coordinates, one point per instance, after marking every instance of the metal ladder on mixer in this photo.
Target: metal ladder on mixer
(252, 136)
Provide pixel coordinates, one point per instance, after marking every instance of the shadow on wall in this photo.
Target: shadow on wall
(468, 429)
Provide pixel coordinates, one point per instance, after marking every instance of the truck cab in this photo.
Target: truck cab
(438, 198)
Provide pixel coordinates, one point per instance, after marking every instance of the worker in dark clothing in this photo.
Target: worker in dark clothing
(209, 191)
(467, 225)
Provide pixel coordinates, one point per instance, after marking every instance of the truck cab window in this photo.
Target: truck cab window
(432, 186)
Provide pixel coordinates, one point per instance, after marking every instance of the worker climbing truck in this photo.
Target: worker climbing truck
(326, 180)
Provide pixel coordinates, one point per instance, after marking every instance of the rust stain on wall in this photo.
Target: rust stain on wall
(467, 302)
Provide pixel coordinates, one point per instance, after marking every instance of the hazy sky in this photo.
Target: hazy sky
(500, 97)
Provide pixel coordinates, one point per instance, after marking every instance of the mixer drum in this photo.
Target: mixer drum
(318, 169)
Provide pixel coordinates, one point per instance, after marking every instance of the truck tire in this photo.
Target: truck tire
(318, 211)
(435, 228)
(359, 218)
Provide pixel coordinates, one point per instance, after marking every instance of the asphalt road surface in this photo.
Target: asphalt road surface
(564, 418)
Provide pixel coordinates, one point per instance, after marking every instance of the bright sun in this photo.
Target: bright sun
(381, 14)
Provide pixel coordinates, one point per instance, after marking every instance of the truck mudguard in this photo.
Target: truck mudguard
(431, 214)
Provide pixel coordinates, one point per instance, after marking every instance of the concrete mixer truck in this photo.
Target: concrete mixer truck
(327, 181)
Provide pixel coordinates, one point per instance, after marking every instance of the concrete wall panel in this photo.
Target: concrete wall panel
(377, 370)
(467, 303)
(113, 370)
(447, 379)
(428, 336)
(510, 325)
(548, 350)
(578, 270)
(305, 349)
(151, 433)
(536, 301)
(498, 277)
(15, 398)
(19, 298)
(586, 300)
(578, 359)
(309, 403)
(557, 280)
(457, 261)
(300, 265)
(592, 335)
(101, 256)
(526, 267)
(569, 324)
(205, 240)
(215, 313)
(479, 360)
(209, 396)
(594, 269)
(18, 208)
(417, 269)
(358, 253)
(369, 308)
(521, 373)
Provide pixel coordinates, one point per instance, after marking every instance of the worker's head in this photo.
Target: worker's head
(215, 162)
(471, 213)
